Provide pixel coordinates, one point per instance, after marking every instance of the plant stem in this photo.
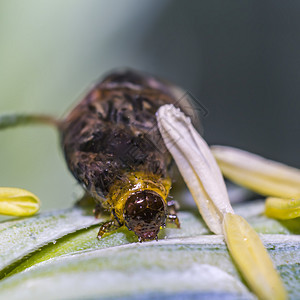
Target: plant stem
(11, 120)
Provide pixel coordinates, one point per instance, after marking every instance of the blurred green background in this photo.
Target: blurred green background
(239, 58)
(51, 53)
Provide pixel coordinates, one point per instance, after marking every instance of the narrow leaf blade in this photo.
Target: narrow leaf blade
(20, 237)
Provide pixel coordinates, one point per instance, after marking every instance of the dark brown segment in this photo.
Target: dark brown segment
(145, 213)
(113, 130)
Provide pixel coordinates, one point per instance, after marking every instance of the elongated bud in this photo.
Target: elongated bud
(18, 202)
(196, 165)
(252, 258)
(282, 209)
(264, 176)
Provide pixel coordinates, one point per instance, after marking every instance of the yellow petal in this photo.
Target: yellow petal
(282, 209)
(18, 202)
(254, 172)
(252, 258)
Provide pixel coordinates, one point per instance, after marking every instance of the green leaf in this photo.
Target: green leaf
(23, 236)
(169, 266)
(184, 263)
(86, 240)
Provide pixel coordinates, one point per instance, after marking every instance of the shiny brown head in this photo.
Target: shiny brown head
(144, 214)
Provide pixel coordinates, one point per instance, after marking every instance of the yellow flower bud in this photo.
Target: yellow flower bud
(18, 202)
(282, 209)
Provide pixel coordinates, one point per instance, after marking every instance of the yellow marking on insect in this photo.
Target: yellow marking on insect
(252, 258)
(136, 181)
(18, 202)
(282, 209)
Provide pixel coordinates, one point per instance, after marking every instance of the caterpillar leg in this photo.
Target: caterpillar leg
(172, 216)
(107, 228)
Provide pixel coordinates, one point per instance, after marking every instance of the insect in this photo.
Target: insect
(110, 141)
(113, 148)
